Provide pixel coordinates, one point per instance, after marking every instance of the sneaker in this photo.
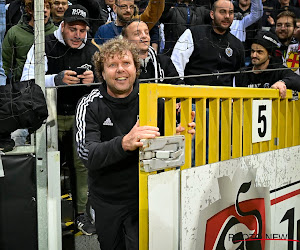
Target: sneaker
(85, 225)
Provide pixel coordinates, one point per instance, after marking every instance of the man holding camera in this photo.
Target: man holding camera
(68, 61)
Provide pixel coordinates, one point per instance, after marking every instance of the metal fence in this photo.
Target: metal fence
(223, 121)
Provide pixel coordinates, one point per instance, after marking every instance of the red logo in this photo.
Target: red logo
(226, 229)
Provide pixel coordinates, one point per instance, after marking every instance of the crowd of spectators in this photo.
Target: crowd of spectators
(174, 39)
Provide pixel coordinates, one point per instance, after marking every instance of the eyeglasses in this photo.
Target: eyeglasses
(125, 7)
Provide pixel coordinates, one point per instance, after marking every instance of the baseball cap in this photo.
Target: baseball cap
(268, 40)
(76, 13)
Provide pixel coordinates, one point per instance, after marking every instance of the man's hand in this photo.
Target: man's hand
(271, 20)
(281, 86)
(131, 141)
(70, 77)
(87, 77)
(191, 125)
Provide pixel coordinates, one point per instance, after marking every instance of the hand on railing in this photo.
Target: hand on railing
(191, 125)
(281, 86)
(131, 141)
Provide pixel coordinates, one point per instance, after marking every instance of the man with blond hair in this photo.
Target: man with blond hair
(108, 138)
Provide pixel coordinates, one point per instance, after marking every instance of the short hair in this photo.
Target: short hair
(124, 30)
(118, 2)
(287, 13)
(214, 6)
(116, 46)
(29, 5)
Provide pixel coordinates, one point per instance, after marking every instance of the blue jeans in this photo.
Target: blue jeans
(2, 33)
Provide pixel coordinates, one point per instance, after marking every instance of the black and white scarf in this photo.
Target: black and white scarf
(158, 71)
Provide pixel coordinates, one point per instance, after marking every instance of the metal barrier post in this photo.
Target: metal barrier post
(148, 116)
(41, 151)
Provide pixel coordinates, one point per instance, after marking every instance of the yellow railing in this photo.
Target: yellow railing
(230, 109)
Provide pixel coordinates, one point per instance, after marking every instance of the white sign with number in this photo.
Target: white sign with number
(261, 120)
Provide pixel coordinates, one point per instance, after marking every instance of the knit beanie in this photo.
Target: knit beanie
(268, 40)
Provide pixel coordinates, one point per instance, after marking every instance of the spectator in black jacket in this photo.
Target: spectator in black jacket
(179, 17)
(210, 49)
(262, 51)
(152, 65)
(14, 12)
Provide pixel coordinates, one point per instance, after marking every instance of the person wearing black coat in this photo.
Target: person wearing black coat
(179, 17)
(101, 12)
(14, 12)
(153, 66)
(262, 51)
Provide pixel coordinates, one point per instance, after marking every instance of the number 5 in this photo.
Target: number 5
(262, 118)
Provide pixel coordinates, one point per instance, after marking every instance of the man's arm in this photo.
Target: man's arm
(256, 12)
(62, 78)
(94, 153)
(99, 154)
(288, 80)
(182, 51)
(238, 27)
(7, 52)
(153, 12)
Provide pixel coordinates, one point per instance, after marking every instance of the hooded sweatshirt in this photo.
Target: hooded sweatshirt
(60, 57)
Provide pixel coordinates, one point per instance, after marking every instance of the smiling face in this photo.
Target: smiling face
(119, 72)
(284, 28)
(74, 33)
(222, 16)
(58, 9)
(138, 33)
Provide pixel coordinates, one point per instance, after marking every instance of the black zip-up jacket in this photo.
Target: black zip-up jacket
(61, 57)
(207, 52)
(167, 67)
(266, 79)
(179, 18)
(98, 12)
(101, 123)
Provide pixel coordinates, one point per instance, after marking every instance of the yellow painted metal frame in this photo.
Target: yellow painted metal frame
(234, 107)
